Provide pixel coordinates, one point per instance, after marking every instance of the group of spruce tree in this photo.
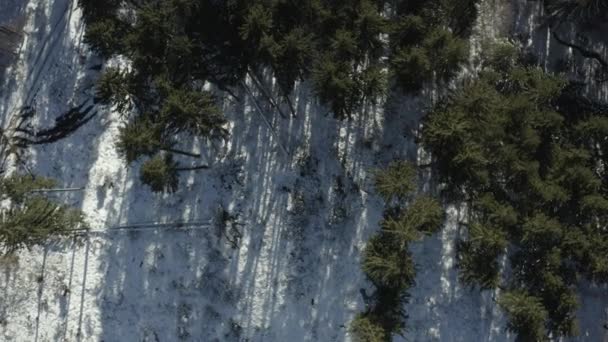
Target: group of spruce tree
(527, 153)
(350, 50)
(521, 147)
(387, 261)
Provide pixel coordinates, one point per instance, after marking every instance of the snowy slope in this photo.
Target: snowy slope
(301, 201)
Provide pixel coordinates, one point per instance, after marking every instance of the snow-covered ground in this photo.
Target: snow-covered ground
(301, 206)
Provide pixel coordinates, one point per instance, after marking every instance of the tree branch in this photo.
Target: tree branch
(192, 168)
(183, 153)
(584, 52)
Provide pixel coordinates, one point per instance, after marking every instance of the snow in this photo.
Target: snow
(301, 219)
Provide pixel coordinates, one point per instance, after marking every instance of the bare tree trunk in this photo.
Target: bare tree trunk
(58, 190)
(184, 153)
(262, 89)
(192, 168)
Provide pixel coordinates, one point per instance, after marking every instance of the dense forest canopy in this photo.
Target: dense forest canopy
(350, 51)
(527, 153)
(523, 149)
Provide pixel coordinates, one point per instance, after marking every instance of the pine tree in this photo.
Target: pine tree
(291, 57)
(374, 83)
(423, 216)
(160, 173)
(522, 147)
(193, 112)
(94, 10)
(526, 315)
(113, 89)
(411, 66)
(478, 255)
(16, 188)
(364, 329)
(257, 23)
(29, 218)
(397, 181)
(106, 36)
(445, 52)
(370, 24)
(140, 137)
(387, 263)
(334, 83)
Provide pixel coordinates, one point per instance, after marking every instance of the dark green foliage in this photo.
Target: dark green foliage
(500, 56)
(364, 329)
(524, 150)
(138, 138)
(340, 45)
(397, 181)
(446, 53)
(478, 262)
(423, 216)
(335, 85)
(105, 36)
(461, 15)
(95, 10)
(386, 260)
(190, 111)
(428, 41)
(160, 173)
(113, 88)
(161, 94)
(389, 309)
(387, 263)
(526, 315)
(31, 219)
(412, 67)
(17, 187)
(291, 57)
(346, 48)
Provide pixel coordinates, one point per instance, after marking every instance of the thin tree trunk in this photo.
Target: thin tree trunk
(199, 167)
(57, 190)
(257, 106)
(184, 153)
(268, 97)
(290, 104)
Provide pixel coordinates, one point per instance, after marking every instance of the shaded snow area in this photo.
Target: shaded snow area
(272, 233)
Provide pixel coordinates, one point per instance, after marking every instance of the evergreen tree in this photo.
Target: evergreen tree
(113, 89)
(387, 263)
(138, 138)
(478, 256)
(160, 173)
(16, 188)
(423, 216)
(397, 181)
(291, 56)
(29, 218)
(335, 85)
(445, 52)
(511, 145)
(526, 315)
(194, 112)
(364, 329)
(174, 48)
(106, 36)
